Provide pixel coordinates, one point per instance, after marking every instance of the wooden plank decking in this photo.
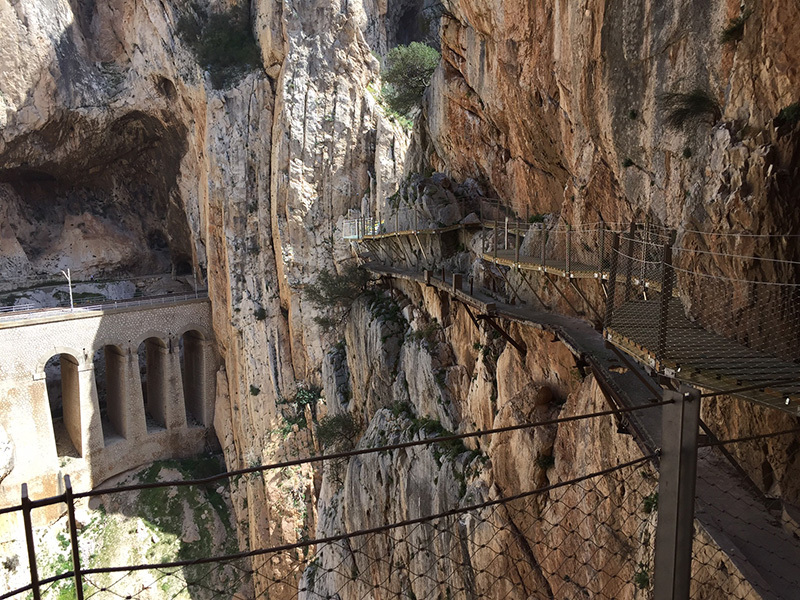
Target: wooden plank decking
(703, 358)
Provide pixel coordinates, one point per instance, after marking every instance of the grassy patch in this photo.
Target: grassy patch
(427, 336)
(691, 107)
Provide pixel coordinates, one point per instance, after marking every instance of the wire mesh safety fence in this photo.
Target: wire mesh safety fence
(746, 510)
(698, 316)
(581, 529)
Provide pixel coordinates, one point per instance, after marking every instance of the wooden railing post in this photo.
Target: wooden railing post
(28, 524)
(73, 534)
(612, 278)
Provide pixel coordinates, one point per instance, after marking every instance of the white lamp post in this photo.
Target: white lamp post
(69, 284)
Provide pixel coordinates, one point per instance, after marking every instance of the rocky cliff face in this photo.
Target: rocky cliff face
(117, 156)
(559, 107)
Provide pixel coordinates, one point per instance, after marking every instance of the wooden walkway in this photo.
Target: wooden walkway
(692, 354)
(703, 358)
(577, 270)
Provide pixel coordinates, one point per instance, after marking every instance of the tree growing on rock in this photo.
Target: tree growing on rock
(336, 292)
(407, 73)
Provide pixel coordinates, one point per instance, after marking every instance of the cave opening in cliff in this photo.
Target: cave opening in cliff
(108, 365)
(153, 356)
(99, 197)
(192, 351)
(63, 394)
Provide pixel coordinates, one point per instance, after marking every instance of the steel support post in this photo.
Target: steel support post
(569, 251)
(666, 296)
(676, 489)
(629, 269)
(516, 245)
(544, 245)
(612, 278)
(28, 524)
(602, 251)
(496, 227)
(73, 536)
(483, 229)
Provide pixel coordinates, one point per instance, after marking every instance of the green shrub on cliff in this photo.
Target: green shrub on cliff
(222, 42)
(407, 73)
(335, 292)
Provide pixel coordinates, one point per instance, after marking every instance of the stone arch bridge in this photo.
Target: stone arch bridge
(95, 392)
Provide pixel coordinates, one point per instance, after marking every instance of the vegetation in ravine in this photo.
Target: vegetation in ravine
(336, 292)
(222, 41)
(407, 72)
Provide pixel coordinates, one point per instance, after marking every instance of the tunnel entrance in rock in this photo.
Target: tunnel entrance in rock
(153, 373)
(63, 394)
(192, 351)
(413, 21)
(109, 367)
(99, 196)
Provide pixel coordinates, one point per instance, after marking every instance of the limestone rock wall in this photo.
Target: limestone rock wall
(118, 156)
(546, 101)
(418, 367)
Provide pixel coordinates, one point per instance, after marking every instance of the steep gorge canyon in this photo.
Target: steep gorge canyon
(118, 157)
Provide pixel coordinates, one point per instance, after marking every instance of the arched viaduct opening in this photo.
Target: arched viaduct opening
(153, 370)
(193, 369)
(63, 393)
(109, 373)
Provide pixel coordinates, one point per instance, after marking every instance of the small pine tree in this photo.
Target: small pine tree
(407, 73)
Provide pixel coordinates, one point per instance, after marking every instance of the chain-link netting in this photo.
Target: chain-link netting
(587, 529)
(718, 320)
(746, 543)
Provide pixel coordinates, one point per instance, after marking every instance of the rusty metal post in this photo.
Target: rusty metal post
(73, 535)
(427, 275)
(397, 221)
(676, 489)
(568, 243)
(443, 275)
(602, 250)
(483, 228)
(667, 280)
(416, 219)
(458, 282)
(505, 242)
(629, 269)
(27, 522)
(471, 284)
(612, 278)
(544, 245)
(516, 244)
(496, 226)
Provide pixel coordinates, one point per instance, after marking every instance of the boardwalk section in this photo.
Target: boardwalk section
(681, 312)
